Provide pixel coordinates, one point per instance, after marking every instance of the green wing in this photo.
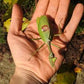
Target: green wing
(43, 28)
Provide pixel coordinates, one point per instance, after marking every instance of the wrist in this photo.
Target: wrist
(25, 77)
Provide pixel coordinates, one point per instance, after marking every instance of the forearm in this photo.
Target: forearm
(23, 77)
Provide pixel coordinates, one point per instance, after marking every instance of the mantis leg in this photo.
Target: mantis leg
(57, 34)
(35, 38)
(59, 31)
(55, 45)
(38, 48)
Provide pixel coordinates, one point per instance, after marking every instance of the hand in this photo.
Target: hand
(22, 47)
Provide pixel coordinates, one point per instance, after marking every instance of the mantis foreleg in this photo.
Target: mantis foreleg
(38, 48)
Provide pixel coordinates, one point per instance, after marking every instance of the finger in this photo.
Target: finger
(16, 21)
(75, 19)
(40, 9)
(62, 12)
(52, 8)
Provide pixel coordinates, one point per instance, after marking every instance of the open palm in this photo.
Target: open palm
(23, 47)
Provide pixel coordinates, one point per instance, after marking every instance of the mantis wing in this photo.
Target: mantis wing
(43, 28)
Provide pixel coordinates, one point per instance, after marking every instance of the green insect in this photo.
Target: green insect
(45, 35)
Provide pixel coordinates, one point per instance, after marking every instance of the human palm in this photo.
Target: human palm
(23, 48)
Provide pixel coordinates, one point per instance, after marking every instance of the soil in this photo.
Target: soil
(75, 49)
(75, 52)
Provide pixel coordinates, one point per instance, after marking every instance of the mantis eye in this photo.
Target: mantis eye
(45, 28)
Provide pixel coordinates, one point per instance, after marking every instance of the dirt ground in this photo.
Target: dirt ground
(75, 52)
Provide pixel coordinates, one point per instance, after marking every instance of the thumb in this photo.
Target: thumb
(16, 21)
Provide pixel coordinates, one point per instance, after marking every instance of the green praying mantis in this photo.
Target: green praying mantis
(45, 34)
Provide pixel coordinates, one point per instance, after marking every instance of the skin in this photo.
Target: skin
(22, 46)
